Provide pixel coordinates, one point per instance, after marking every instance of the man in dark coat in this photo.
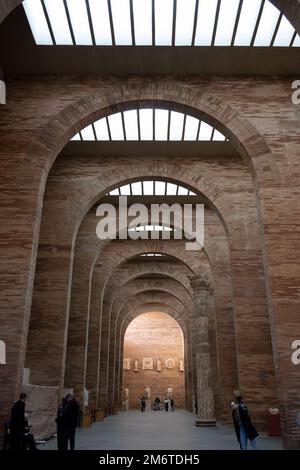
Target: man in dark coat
(243, 426)
(61, 425)
(70, 416)
(18, 424)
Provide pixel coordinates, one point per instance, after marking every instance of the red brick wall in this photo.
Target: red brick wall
(158, 336)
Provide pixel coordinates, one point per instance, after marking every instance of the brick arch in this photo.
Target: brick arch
(115, 296)
(161, 307)
(143, 306)
(53, 136)
(139, 286)
(121, 278)
(110, 260)
(143, 289)
(112, 257)
(103, 182)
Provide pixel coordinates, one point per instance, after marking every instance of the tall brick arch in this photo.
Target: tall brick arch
(169, 310)
(122, 278)
(75, 374)
(141, 304)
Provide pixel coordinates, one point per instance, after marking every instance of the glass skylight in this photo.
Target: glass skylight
(79, 19)
(142, 14)
(284, 34)
(116, 126)
(176, 125)
(122, 22)
(37, 21)
(205, 132)
(88, 133)
(101, 23)
(191, 128)
(136, 188)
(185, 16)
(227, 19)
(206, 20)
(131, 125)
(151, 255)
(138, 124)
(151, 228)
(151, 188)
(146, 124)
(248, 19)
(267, 25)
(101, 129)
(161, 124)
(296, 42)
(159, 22)
(148, 188)
(163, 22)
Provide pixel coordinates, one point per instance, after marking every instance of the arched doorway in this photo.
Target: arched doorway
(153, 363)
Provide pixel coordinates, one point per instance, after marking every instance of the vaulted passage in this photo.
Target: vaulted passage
(149, 217)
(161, 376)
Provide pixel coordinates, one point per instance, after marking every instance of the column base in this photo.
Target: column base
(205, 422)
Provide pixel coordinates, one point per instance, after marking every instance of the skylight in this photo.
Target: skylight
(159, 23)
(151, 228)
(151, 255)
(151, 188)
(139, 124)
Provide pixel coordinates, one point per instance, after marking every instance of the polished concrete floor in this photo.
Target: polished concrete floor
(159, 430)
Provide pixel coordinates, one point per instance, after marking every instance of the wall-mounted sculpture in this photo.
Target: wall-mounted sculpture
(170, 363)
(148, 363)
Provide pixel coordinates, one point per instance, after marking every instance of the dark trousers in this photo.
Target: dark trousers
(17, 440)
(22, 441)
(67, 435)
(60, 438)
(71, 438)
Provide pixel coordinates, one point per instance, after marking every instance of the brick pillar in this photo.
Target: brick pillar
(205, 395)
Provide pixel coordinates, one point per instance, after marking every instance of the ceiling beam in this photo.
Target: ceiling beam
(150, 148)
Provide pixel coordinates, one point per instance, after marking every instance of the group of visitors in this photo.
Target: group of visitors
(18, 428)
(68, 415)
(167, 404)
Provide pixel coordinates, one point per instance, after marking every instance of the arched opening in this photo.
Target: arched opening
(153, 364)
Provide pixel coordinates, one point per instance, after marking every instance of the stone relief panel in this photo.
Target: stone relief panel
(170, 363)
(147, 363)
(126, 364)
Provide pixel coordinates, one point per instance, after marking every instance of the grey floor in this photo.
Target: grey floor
(159, 430)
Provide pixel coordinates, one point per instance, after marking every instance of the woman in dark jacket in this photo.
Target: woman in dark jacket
(243, 426)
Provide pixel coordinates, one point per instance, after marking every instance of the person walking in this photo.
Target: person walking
(244, 428)
(172, 404)
(18, 424)
(70, 416)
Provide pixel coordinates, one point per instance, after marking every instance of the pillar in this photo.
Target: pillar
(205, 395)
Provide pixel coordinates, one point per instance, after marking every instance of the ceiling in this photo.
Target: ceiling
(19, 55)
